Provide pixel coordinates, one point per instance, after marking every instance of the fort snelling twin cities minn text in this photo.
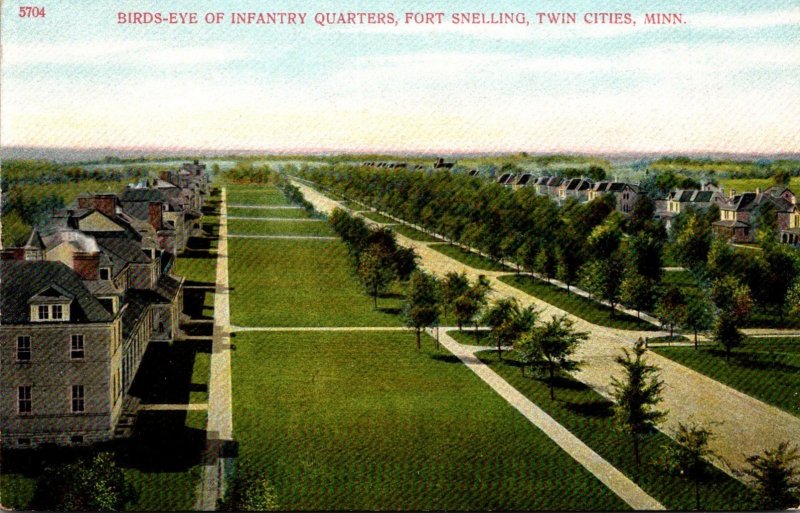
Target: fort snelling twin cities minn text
(390, 18)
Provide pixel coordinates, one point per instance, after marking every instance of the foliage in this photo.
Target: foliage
(776, 477)
(671, 308)
(508, 321)
(250, 492)
(636, 291)
(375, 271)
(423, 303)
(637, 395)
(726, 333)
(686, 457)
(550, 346)
(699, 312)
(89, 484)
(454, 285)
(469, 304)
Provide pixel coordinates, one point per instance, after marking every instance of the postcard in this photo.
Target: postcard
(399, 255)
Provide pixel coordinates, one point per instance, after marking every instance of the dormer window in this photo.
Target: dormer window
(50, 304)
(105, 273)
(44, 312)
(58, 312)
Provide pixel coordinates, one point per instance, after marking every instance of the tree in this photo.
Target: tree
(602, 279)
(507, 321)
(693, 241)
(250, 492)
(637, 395)
(643, 211)
(686, 457)
(405, 262)
(376, 271)
(671, 308)
(468, 305)
(454, 286)
(636, 291)
(423, 303)
(90, 484)
(699, 313)
(780, 271)
(776, 477)
(732, 297)
(726, 333)
(545, 264)
(552, 346)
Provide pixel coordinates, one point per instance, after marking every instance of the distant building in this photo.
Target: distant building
(624, 193)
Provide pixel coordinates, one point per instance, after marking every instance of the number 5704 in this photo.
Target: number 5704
(27, 11)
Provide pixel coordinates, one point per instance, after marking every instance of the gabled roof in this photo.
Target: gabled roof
(21, 280)
(51, 292)
(34, 241)
(524, 179)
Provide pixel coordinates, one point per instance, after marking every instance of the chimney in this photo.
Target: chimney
(164, 175)
(106, 203)
(86, 265)
(732, 193)
(154, 214)
(758, 191)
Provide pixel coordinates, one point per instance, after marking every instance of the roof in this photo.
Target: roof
(168, 287)
(34, 241)
(691, 196)
(749, 201)
(731, 224)
(615, 187)
(21, 280)
(524, 179)
(137, 301)
(121, 252)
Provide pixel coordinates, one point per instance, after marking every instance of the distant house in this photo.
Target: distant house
(738, 213)
(624, 193)
(506, 179)
(681, 199)
(522, 180)
(577, 188)
(441, 164)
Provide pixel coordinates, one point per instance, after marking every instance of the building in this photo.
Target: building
(738, 215)
(577, 188)
(680, 200)
(625, 194)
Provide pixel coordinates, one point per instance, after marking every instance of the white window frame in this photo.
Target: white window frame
(44, 312)
(57, 312)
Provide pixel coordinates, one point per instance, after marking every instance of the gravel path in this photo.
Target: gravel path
(743, 425)
(283, 237)
(318, 328)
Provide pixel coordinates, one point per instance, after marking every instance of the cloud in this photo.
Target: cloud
(149, 53)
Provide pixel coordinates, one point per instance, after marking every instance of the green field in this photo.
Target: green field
(315, 228)
(378, 218)
(751, 184)
(284, 213)
(589, 416)
(414, 234)
(300, 283)
(469, 258)
(362, 421)
(765, 368)
(582, 307)
(254, 195)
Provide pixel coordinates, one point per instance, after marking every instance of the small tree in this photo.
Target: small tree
(251, 492)
(699, 313)
(423, 303)
(454, 286)
(776, 477)
(686, 457)
(553, 344)
(508, 321)
(375, 271)
(726, 333)
(545, 263)
(636, 291)
(671, 308)
(637, 395)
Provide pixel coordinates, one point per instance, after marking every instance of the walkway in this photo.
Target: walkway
(318, 328)
(267, 207)
(219, 429)
(743, 425)
(615, 480)
(286, 237)
(281, 219)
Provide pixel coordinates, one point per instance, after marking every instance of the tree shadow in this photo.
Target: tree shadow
(162, 443)
(598, 409)
(391, 295)
(446, 358)
(390, 310)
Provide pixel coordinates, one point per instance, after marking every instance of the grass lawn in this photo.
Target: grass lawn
(300, 283)
(362, 421)
(255, 195)
(414, 234)
(765, 368)
(469, 258)
(582, 307)
(319, 228)
(378, 218)
(284, 213)
(589, 416)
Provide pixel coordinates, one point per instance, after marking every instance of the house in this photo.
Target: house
(679, 200)
(577, 188)
(624, 193)
(441, 164)
(522, 180)
(738, 215)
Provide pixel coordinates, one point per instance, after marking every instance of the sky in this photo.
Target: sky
(727, 80)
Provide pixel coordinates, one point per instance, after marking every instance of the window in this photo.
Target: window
(24, 402)
(23, 442)
(105, 273)
(58, 312)
(77, 399)
(44, 312)
(24, 349)
(76, 439)
(76, 351)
